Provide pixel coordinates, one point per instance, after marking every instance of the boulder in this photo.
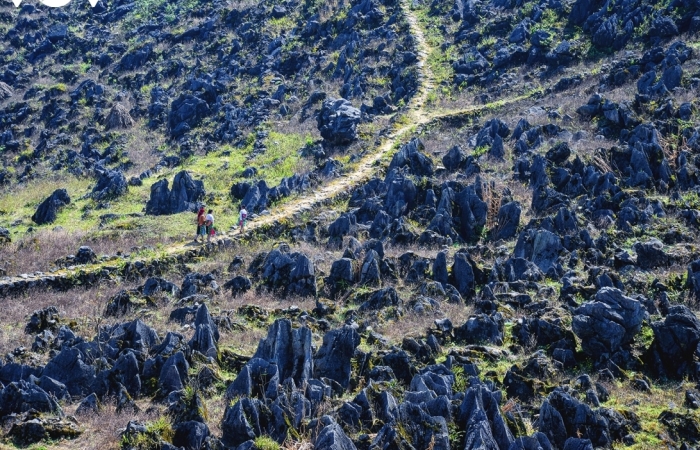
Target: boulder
(85, 255)
(651, 254)
(578, 444)
(672, 76)
(559, 153)
(480, 416)
(186, 112)
(88, 406)
(289, 349)
(543, 331)
(33, 430)
(454, 158)
(507, 220)
(481, 329)
(43, 319)
(527, 381)
(190, 435)
(345, 225)
(377, 300)
(238, 285)
(125, 403)
(155, 286)
(582, 10)
(682, 427)
(410, 155)
(136, 58)
(664, 27)
(341, 277)
(332, 436)
(203, 341)
(520, 33)
(5, 91)
(463, 275)
(338, 120)
(401, 194)
(488, 133)
(48, 209)
(134, 335)
(542, 247)
(126, 372)
(563, 417)
(473, 211)
(125, 302)
(370, 273)
(673, 353)
(173, 374)
(197, 284)
(258, 378)
(440, 273)
(424, 430)
(693, 278)
(69, 368)
(605, 34)
(608, 323)
(118, 118)
(22, 396)
(241, 423)
(333, 358)
(289, 273)
(516, 269)
(184, 196)
(110, 185)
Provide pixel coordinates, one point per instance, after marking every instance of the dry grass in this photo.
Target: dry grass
(417, 325)
(143, 148)
(648, 407)
(102, 431)
(39, 251)
(84, 306)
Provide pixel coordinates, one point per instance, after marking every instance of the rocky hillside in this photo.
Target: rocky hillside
(473, 225)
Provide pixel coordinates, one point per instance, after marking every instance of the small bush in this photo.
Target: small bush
(266, 443)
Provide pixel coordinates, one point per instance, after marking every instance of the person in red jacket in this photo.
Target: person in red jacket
(201, 227)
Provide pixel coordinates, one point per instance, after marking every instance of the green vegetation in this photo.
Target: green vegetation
(281, 158)
(156, 431)
(281, 25)
(478, 151)
(266, 443)
(144, 10)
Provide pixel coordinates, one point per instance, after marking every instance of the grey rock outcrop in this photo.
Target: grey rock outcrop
(184, 195)
(608, 323)
(338, 121)
(48, 209)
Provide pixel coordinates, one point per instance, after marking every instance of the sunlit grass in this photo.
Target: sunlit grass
(18, 204)
(281, 159)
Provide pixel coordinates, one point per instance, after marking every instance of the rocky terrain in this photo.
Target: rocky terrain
(474, 225)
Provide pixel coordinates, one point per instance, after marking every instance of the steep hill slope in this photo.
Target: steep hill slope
(473, 225)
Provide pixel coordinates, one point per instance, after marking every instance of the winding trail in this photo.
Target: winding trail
(415, 114)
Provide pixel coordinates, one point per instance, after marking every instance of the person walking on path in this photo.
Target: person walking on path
(242, 218)
(201, 228)
(209, 221)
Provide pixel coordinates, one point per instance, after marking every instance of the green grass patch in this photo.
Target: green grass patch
(219, 169)
(19, 203)
(281, 159)
(266, 443)
(278, 26)
(440, 63)
(160, 429)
